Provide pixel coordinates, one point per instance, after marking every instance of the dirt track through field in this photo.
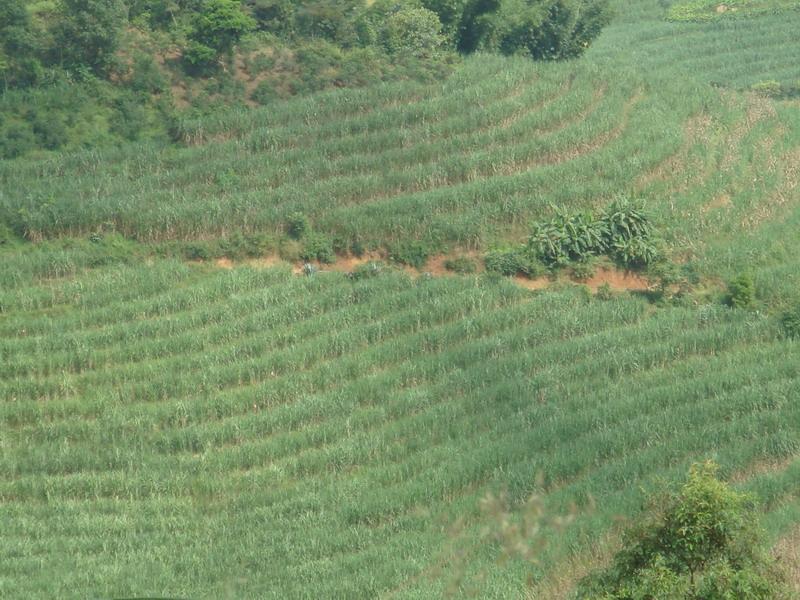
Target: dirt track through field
(617, 280)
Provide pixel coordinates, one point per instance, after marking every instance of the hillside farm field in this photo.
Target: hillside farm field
(173, 428)
(255, 433)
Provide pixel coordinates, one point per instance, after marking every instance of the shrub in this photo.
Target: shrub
(16, 139)
(290, 250)
(741, 292)
(604, 292)
(197, 251)
(220, 24)
(790, 321)
(357, 248)
(318, 247)
(513, 261)
(276, 16)
(146, 76)
(700, 542)
(6, 235)
(462, 265)
(583, 270)
(297, 225)
(414, 31)
(264, 93)
(198, 57)
(622, 231)
(542, 29)
(366, 271)
(771, 89)
(86, 33)
(634, 252)
(567, 237)
(413, 253)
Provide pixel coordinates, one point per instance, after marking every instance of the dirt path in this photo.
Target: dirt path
(617, 280)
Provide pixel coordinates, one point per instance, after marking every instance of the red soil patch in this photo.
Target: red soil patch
(539, 283)
(343, 264)
(266, 262)
(617, 280)
(436, 264)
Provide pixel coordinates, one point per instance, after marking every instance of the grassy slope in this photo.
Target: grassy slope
(174, 430)
(170, 430)
(399, 161)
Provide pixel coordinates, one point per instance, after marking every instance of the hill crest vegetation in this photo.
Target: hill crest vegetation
(78, 73)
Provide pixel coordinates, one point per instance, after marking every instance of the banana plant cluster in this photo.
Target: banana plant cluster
(622, 231)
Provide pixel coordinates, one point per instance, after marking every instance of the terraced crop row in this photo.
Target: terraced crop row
(324, 432)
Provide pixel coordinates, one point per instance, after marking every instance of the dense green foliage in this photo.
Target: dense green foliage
(215, 29)
(542, 29)
(701, 542)
(159, 61)
(622, 231)
(741, 292)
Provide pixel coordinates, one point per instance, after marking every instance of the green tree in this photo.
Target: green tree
(216, 29)
(414, 31)
(19, 61)
(86, 34)
(543, 29)
(450, 13)
(698, 543)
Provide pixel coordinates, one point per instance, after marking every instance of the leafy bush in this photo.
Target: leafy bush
(700, 542)
(198, 57)
(567, 238)
(462, 265)
(16, 139)
(415, 31)
(297, 225)
(145, 75)
(629, 233)
(197, 251)
(264, 93)
(604, 292)
(622, 231)
(584, 269)
(770, 88)
(542, 29)
(741, 292)
(276, 16)
(7, 235)
(513, 261)
(220, 24)
(791, 322)
(413, 253)
(366, 271)
(318, 247)
(86, 33)
(19, 63)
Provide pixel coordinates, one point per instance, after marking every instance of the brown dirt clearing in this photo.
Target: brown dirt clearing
(616, 279)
